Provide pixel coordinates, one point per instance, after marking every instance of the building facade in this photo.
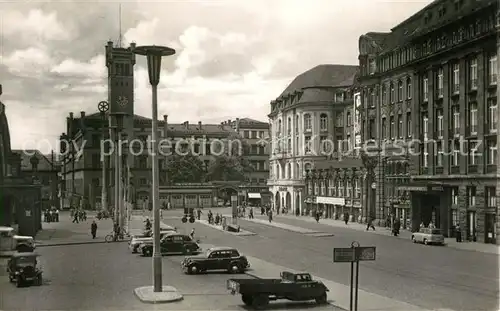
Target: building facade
(430, 111)
(310, 121)
(255, 134)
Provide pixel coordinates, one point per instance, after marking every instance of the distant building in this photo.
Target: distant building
(256, 134)
(430, 88)
(311, 121)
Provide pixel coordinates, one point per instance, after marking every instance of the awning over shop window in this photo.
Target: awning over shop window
(254, 195)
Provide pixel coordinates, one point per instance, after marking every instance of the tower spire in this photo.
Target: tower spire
(120, 25)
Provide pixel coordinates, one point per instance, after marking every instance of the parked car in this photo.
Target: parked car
(11, 243)
(22, 269)
(172, 243)
(428, 236)
(137, 240)
(217, 258)
(291, 286)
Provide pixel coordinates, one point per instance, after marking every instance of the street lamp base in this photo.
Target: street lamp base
(167, 294)
(157, 274)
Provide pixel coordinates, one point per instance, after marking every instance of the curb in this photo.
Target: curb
(272, 224)
(77, 243)
(241, 233)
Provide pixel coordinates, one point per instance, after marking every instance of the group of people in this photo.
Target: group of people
(51, 215)
(78, 215)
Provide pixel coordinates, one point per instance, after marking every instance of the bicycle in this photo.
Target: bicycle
(111, 237)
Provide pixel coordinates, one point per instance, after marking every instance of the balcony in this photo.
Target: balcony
(493, 80)
(491, 168)
(455, 170)
(473, 84)
(440, 93)
(456, 89)
(440, 134)
(285, 182)
(439, 170)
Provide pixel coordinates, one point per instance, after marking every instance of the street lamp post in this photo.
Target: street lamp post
(154, 55)
(103, 107)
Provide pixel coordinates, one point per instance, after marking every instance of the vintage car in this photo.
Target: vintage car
(172, 244)
(22, 269)
(11, 243)
(137, 240)
(217, 258)
(428, 236)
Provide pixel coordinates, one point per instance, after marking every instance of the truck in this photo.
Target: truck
(257, 293)
(11, 243)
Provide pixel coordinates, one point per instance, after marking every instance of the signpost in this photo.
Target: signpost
(354, 255)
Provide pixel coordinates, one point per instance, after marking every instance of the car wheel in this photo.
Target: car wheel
(146, 252)
(425, 242)
(19, 282)
(260, 302)
(193, 269)
(234, 268)
(247, 299)
(413, 239)
(134, 250)
(321, 299)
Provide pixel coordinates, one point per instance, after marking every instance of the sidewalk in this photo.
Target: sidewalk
(65, 232)
(404, 234)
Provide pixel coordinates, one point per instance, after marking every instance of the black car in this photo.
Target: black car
(217, 258)
(22, 269)
(172, 244)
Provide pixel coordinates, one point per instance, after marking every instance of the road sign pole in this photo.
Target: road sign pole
(357, 287)
(352, 287)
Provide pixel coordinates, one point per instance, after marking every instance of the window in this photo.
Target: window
(296, 125)
(473, 152)
(324, 145)
(492, 115)
(371, 129)
(289, 145)
(454, 196)
(456, 78)
(384, 128)
(348, 189)
(440, 82)
(384, 94)
(289, 126)
(372, 66)
(331, 188)
(392, 129)
(456, 119)
(143, 162)
(471, 196)
(491, 197)
(349, 118)
(455, 147)
(261, 134)
(473, 73)
(254, 133)
(323, 122)
(492, 152)
(426, 89)
(340, 187)
(392, 95)
(339, 122)
(307, 144)
(440, 124)
(400, 91)
(373, 98)
(339, 97)
(357, 189)
(95, 182)
(408, 88)
(425, 127)
(473, 118)
(400, 125)
(280, 127)
(493, 70)
(425, 156)
(439, 154)
(307, 122)
(408, 124)
(143, 181)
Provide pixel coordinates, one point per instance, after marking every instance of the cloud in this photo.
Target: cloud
(92, 69)
(29, 63)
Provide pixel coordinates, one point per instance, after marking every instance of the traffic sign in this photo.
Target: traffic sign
(344, 254)
(365, 253)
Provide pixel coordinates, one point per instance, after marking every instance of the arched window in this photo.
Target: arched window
(289, 126)
(323, 122)
(392, 94)
(283, 173)
(384, 93)
(400, 90)
(307, 122)
(297, 171)
(297, 124)
(408, 88)
(289, 169)
(279, 126)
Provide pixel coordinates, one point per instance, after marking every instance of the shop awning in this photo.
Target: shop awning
(254, 195)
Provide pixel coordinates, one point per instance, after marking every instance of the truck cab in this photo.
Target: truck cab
(11, 243)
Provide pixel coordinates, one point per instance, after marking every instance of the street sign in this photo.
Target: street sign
(366, 253)
(344, 255)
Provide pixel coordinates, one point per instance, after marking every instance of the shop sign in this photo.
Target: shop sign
(330, 200)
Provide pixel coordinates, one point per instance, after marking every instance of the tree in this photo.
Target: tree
(232, 165)
(184, 169)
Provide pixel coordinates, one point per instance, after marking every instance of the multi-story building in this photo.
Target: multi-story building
(430, 98)
(255, 133)
(310, 121)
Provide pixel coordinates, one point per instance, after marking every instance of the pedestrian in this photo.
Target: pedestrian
(317, 216)
(250, 213)
(346, 218)
(270, 215)
(57, 215)
(396, 227)
(199, 212)
(76, 214)
(93, 229)
(422, 225)
(370, 224)
(431, 225)
(458, 233)
(192, 234)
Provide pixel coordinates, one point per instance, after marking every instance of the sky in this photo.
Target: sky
(233, 56)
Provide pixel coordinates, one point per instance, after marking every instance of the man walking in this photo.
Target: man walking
(93, 229)
(370, 224)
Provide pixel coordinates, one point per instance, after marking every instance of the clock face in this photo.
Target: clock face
(122, 101)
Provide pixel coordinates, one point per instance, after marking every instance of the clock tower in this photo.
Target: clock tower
(120, 62)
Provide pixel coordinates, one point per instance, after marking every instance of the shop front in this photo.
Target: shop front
(331, 206)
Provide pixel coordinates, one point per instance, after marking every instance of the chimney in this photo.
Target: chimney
(82, 114)
(186, 124)
(199, 125)
(132, 46)
(71, 115)
(110, 43)
(238, 125)
(165, 125)
(229, 122)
